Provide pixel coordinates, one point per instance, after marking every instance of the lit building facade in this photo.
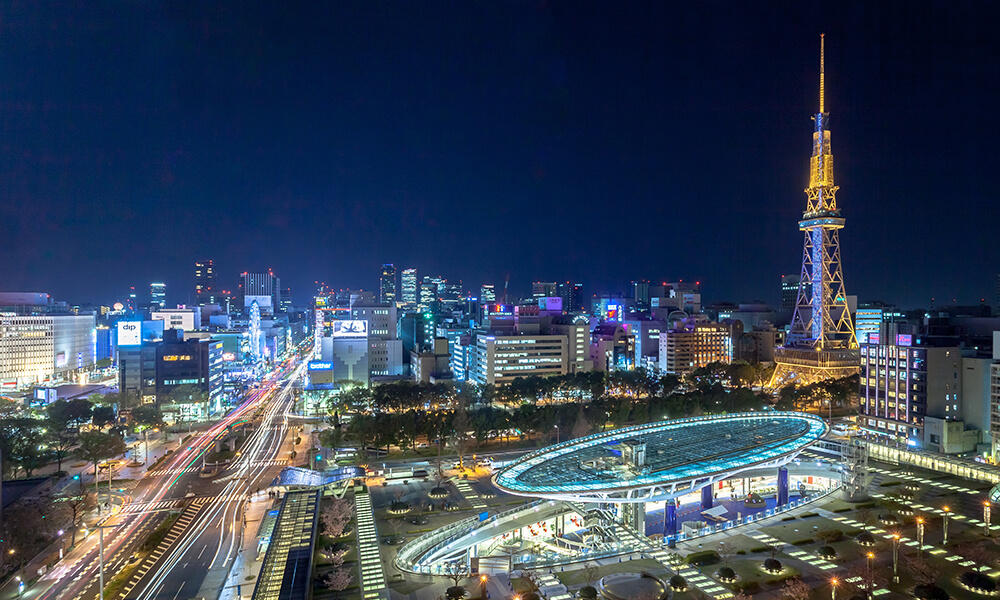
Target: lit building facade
(409, 289)
(502, 358)
(185, 319)
(260, 284)
(487, 294)
(693, 345)
(430, 290)
(542, 289)
(387, 284)
(157, 294)
(44, 347)
(902, 383)
(385, 349)
(204, 282)
(572, 296)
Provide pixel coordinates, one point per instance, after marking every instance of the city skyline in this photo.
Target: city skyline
(196, 144)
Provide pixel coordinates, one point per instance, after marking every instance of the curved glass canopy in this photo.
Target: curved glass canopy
(667, 454)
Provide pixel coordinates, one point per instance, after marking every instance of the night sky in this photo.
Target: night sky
(550, 140)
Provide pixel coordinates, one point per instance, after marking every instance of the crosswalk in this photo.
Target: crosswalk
(470, 494)
(176, 471)
(180, 526)
(138, 507)
(273, 462)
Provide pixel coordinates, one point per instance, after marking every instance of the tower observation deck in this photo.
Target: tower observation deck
(821, 342)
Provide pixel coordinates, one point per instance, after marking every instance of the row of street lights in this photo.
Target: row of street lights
(921, 523)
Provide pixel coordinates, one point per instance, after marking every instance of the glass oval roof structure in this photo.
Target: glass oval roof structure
(678, 453)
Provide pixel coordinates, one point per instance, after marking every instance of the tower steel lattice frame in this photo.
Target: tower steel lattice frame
(821, 342)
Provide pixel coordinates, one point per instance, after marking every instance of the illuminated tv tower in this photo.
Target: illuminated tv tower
(821, 342)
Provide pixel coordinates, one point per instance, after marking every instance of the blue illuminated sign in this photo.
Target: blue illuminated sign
(317, 365)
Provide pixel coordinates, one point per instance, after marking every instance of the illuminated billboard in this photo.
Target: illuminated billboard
(352, 328)
(615, 312)
(318, 365)
(129, 333)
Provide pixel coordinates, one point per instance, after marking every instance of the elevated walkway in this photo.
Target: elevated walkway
(298, 477)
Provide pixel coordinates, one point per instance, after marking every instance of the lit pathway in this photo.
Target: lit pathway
(907, 477)
(552, 588)
(370, 572)
(469, 494)
(794, 551)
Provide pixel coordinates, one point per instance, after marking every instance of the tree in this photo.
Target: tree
(103, 415)
(796, 589)
(96, 446)
(338, 579)
(74, 507)
(336, 514)
(581, 427)
(147, 415)
(60, 442)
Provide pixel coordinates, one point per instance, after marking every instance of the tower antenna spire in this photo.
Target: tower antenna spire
(822, 54)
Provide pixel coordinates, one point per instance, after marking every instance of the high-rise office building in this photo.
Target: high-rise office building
(430, 292)
(36, 348)
(204, 282)
(691, 345)
(487, 294)
(640, 293)
(285, 304)
(543, 289)
(572, 296)
(904, 381)
(157, 295)
(790, 292)
(387, 284)
(821, 342)
(260, 286)
(410, 289)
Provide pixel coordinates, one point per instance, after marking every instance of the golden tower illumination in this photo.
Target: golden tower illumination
(821, 342)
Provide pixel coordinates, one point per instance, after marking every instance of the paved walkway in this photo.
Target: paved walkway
(371, 574)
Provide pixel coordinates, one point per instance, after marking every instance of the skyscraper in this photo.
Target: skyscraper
(157, 294)
(387, 284)
(790, 292)
(410, 289)
(572, 296)
(821, 342)
(543, 289)
(430, 291)
(487, 294)
(204, 282)
(261, 284)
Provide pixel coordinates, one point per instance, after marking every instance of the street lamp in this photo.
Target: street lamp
(895, 557)
(946, 512)
(482, 584)
(871, 572)
(920, 534)
(986, 516)
(557, 434)
(833, 588)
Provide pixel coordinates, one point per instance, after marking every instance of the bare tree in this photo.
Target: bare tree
(338, 579)
(336, 515)
(796, 589)
(73, 508)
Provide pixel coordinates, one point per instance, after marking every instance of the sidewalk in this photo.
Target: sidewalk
(246, 566)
